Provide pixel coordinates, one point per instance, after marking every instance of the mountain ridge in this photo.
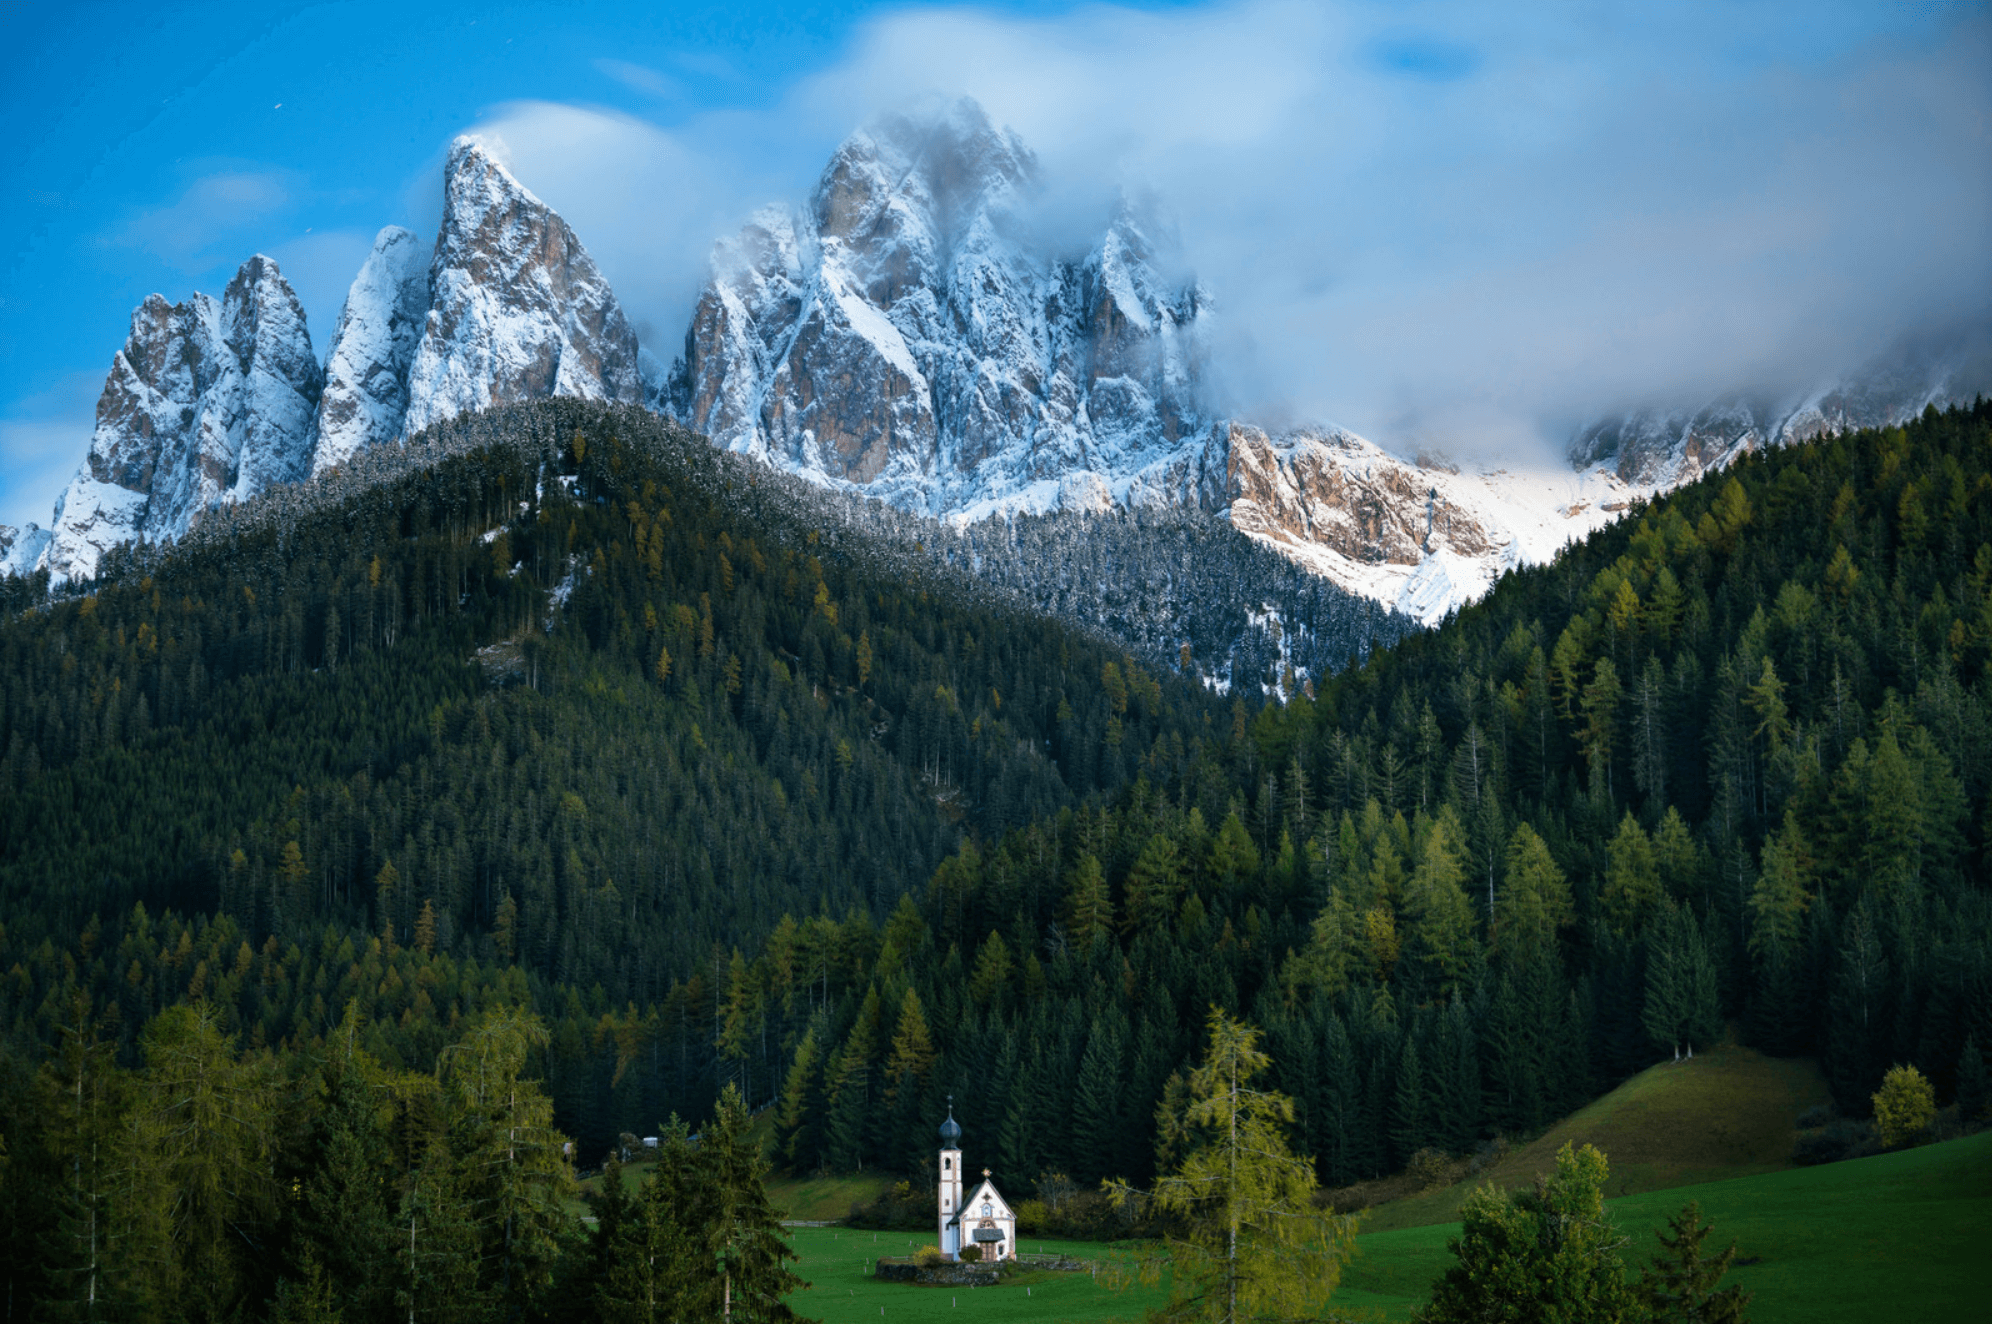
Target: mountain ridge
(904, 334)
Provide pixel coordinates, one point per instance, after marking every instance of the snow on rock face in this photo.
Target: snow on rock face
(21, 549)
(1664, 448)
(904, 335)
(518, 309)
(1420, 536)
(366, 376)
(207, 402)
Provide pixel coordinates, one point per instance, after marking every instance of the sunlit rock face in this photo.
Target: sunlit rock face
(209, 401)
(907, 334)
(517, 308)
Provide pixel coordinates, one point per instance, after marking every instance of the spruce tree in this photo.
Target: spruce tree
(1680, 1285)
(742, 1233)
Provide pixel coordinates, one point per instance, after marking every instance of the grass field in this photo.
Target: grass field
(816, 1198)
(1897, 1236)
(837, 1263)
(1728, 1113)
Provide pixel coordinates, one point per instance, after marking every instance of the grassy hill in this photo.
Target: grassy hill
(1730, 1112)
(1895, 1236)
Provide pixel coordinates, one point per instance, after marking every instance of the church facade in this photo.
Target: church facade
(979, 1217)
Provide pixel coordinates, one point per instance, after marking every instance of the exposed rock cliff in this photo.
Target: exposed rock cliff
(906, 334)
(518, 310)
(207, 401)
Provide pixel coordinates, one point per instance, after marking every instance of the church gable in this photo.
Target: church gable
(986, 1195)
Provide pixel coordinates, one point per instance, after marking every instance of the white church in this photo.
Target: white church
(984, 1219)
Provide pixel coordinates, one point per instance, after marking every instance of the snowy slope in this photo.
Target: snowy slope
(366, 375)
(1665, 447)
(1421, 538)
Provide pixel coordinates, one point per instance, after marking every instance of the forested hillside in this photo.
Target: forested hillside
(1725, 762)
(576, 716)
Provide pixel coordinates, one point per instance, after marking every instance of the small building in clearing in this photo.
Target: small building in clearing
(981, 1218)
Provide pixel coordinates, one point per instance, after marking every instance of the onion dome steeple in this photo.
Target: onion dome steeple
(951, 1129)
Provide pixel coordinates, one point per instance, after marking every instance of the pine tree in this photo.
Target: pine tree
(514, 1164)
(1096, 1105)
(1154, 885)
(213, 1120)
(741, 1231)
(1534, 903)
(1632, 877)
(796, 1123)
(993, 968)
(436, 1244)
(1252, 1243)
(1410, 1106)
(912, 1053)
(1974, 1083)
(1680, 1286)
(1442, 930)
(1089, 912)
(1682, 1005)
(344, 1209)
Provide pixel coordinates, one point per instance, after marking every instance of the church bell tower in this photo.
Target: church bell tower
(950, 1175)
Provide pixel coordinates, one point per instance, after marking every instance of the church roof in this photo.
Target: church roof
(951, 1131)
(971, 1208)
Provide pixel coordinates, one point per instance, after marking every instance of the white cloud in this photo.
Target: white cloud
(640, 78)
(1445, 222)
(210, 213)
(1443, 213)
(647, 202)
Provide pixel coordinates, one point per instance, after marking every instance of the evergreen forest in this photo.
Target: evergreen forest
(578, 776)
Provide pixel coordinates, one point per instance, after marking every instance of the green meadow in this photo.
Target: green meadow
(1896, 1236)
(837, 1263)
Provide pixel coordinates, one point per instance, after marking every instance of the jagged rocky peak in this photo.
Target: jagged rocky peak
(907, 189)
(1665, 447)
(366, 375)
(518, 310)
(906, 333)
(207, 402)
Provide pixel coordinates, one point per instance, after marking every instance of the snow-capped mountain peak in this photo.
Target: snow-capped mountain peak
(207, 402)
(214, 401)
(517, 307)
(366, 376)
(904, 334)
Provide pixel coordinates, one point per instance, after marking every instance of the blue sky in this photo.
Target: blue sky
(1443, 220)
